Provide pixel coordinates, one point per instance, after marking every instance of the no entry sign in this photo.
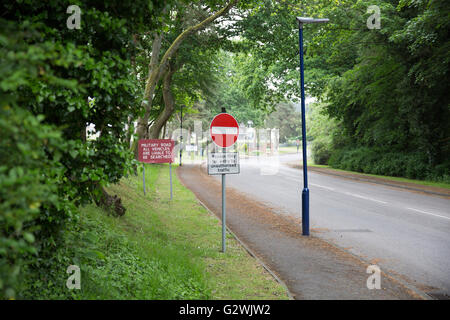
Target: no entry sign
(156, 151)
(224, 130)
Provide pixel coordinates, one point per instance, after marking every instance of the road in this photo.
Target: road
(405, 233)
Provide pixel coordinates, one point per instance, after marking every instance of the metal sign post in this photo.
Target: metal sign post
(170, 170)
(181, 137)
(143, 176)
(224, 210)
(224, 131)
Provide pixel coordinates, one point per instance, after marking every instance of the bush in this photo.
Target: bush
(46, 165)
(30, 204)
(320, 151)
(390, 163)
(441, 172)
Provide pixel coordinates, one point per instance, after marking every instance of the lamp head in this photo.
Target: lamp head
(303, 20)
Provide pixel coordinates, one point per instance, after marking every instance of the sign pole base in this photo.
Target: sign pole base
(170, 169)
(143, 176)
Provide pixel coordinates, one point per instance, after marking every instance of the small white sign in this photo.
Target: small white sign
(224, 130)
(223, 163)
(191, 147)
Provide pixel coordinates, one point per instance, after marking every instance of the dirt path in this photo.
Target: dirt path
(310, 267)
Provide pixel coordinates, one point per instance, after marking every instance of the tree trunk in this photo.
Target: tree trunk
(130, 131)
(164, 131)
(153, 78)
(156, 71)
(112, 204)
(169, 105)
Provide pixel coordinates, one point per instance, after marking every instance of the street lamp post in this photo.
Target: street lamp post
(305, 192)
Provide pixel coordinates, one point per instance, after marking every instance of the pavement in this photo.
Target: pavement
(260, 213)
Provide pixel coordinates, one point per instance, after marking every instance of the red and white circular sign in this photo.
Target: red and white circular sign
(224, 130)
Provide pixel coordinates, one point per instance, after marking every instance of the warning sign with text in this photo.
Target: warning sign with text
(223, 163)
(156, 151)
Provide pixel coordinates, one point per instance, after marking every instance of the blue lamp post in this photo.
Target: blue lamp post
(305, 192)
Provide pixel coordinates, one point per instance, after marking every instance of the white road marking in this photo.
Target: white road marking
(362, 197)
(432, 214)
(347, 193)
(299, 179)
(319, 186)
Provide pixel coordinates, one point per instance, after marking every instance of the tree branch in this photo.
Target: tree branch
(175, 45)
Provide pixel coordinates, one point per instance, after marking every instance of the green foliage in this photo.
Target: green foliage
(48, 167)
(387, 162)
(286, 119)
(159, 250)
(34, 198)
(321, 130)
(233, 93)
(225, 90)
(321, 152)
(32, 208)
(270, 43)
(114, 265)
(387, 87)
(395, 96)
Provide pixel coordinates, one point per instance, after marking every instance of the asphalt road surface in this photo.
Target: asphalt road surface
(405, 233)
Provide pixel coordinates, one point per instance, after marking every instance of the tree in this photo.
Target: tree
(286, 119)
(157, 66)
(393, 99)
(387, 87)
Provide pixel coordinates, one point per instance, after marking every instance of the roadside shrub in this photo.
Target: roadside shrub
(416, 166)
(441, 172)
(320, 151)
(349, 159)
(32, 210)
(47, 167)
(390, 163)
(114, 266)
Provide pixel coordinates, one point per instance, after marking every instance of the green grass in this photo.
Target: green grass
(291, 149)
(398, 179)
(160, 249)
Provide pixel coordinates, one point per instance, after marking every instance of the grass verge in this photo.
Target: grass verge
(160, 249)
(290, 149)
(398, 179)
